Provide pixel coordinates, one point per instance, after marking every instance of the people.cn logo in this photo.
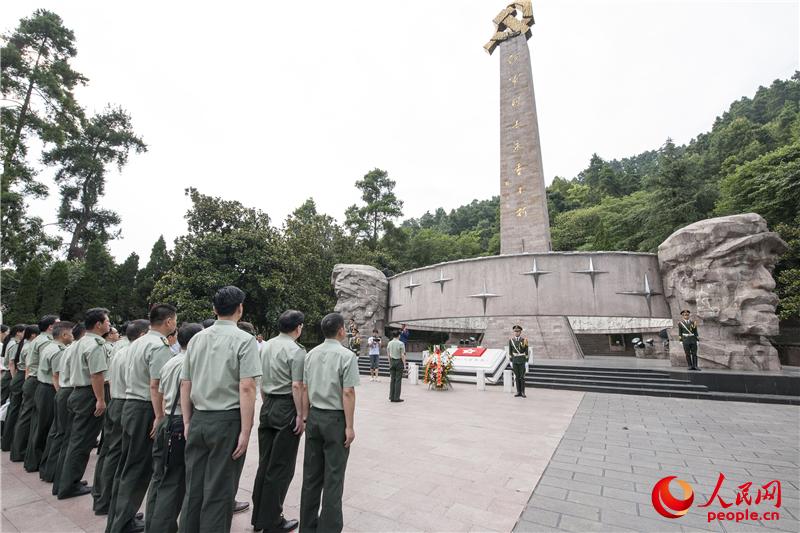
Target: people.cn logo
(668, 505)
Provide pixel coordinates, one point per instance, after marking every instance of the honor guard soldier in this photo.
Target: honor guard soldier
(218, 393)
(168, 484)
(39, 444)
(687, 333)
(27, 413)
(397, 362)
(112, 428)
(518, 351)
(281, 423)
(330, 377)
(17, 359)
(87, 403)
(141, 414)
(63, 418)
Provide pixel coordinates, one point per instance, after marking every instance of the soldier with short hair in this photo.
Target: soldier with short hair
(17, 361)
(281, 422)
(218, 393)
(87, 403)
(141, 415)
(687, 333)
(330, 376)
(518, 352)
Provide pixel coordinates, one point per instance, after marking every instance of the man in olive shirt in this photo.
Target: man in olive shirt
(38, 444)
(87, 402)
(63, 418)
(112, 428)
(26, 423)
(330, 376)
(141, 414)
(218, 394)
(397, 362)
(281, 422)
(168, 484)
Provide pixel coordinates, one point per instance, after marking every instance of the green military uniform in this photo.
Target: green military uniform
(63, 418)
(27, 412)
(329, 368)
(5, 381)
(217, 359)
(145, 358)
(518, 351)
(44, 398)
(396, 350)
(687, 333)
(89, 358)
(101, 494)
(112, 426)
(50, 364)
(282, 363)
(168, 484)
(13, 407)
(15, 395)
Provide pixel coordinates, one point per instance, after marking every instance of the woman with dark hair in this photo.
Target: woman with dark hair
(17, 367)
(9, 343)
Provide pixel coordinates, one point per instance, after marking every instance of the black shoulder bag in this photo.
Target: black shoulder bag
(174, 441)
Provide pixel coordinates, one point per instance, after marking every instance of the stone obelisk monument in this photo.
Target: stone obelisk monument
(524, 221)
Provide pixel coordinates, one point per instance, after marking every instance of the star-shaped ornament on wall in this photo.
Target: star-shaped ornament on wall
(647, 294)
(411, 286)
(591, 271)
(485, 296)
(535, 273)
(442, 280)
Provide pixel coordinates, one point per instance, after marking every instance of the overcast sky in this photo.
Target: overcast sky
(270, 103)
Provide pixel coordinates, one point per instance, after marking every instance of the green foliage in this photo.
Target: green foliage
(54, 288)
(787, 271)
(103, 140)
(28, 296)
(124, 303)
(380, 207)
(159, 263)
(94, 287)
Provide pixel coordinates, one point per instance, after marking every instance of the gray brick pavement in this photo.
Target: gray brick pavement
(617, 447)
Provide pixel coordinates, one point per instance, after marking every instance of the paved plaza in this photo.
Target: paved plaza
(466, 460)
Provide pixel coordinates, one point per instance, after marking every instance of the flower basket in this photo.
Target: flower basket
(438, 368)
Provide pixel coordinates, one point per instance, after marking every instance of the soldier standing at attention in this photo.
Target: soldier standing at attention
(38, 449)
(397, 362)
(87, 403)
(17, 360)
(13, 338)
(518, 350)
(63, 418)
(112, 429)
(141, 415)
(330, 377)
(218, 394)
(687, 333)
(168, 485)
(27, 414)
(281, 422)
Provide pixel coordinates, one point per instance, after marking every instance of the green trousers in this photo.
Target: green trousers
(277, 455)
(27, 412)
(5, 386)
(40, 425)
(324, 466)
(101, 494)
(168, 484)
(518, 366)
(395, 378)
(63, 430)
(12, 415)
(50, 454)
(211, 472)
(111, 451)
(82, 438)
(135, 465)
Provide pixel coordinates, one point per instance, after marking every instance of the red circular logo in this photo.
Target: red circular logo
(666, 504)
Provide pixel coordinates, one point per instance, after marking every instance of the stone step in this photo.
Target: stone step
(631, 384)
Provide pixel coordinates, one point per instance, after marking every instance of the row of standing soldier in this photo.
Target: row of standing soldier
(176, 428)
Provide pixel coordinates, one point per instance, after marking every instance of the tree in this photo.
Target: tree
(787, 271)
(38, 79)
(54, 288)
(124, 290)
(159, 263)
(380, 206)
(26, 308)
(102, 140)
(94, 288)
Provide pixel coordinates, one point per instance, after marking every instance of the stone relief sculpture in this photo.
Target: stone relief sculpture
(362, 293)
(721, 269)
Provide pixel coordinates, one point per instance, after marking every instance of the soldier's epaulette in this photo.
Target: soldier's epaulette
(164, 340)
(100, 341)
(61, 347)
(300, 345)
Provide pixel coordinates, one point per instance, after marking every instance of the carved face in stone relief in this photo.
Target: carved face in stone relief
(724, 272)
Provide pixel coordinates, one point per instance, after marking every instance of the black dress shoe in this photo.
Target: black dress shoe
(139, 516)
(240, 507)
(397, 401)
(517, 395)
(84, 482)
(79, 490)
(285, 527)
(137, 526)
(101, 512)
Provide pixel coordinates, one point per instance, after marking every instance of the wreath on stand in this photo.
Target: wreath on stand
(437, 369)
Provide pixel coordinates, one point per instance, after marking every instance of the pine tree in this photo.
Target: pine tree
(158, 265)
(26, 308)
(54, 288)
(124, 289)
(94, 288)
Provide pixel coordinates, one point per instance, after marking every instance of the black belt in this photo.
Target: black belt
(82, 387)
(287, 395)
(47, 384)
